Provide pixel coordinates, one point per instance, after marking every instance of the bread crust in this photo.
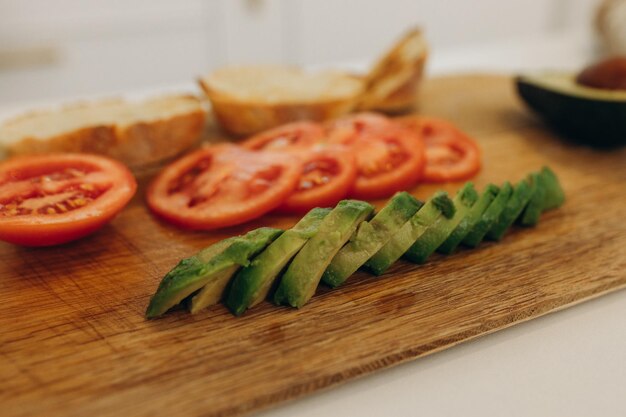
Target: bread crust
(609, 25)
(392, 85)
(135, 144)
(241, 118)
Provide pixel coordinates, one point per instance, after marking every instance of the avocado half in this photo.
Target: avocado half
(593, 116)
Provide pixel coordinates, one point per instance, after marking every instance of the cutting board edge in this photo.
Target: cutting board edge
(326, 383)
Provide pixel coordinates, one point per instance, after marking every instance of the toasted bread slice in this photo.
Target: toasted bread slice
(136, 133)
(250, 99)
(610, 23)
(392, 84)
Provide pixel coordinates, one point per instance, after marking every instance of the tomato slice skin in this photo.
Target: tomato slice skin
(451, 155)
(57, 198)
(222, 185)
(329, 173)
(389, 158)
(346, 129)
(291, 136)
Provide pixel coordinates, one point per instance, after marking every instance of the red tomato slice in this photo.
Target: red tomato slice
(52, 199)
(286, 137)
(223, 185)
(328, 175)
(389, 158)
(450, 154)
(345, 129)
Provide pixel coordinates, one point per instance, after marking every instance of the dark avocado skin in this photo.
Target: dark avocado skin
(580, 118)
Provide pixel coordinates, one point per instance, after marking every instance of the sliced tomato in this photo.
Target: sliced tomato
(223, 185)
(451, 155)
(389, 158)
(328, 175)
(286, 137)
(346, 129)
(52, 199)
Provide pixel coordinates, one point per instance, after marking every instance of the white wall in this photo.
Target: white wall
(59, 48)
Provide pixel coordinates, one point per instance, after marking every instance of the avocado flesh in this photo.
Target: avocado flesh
(428, 242)
(188, 276)
(212, 291)
(370, 237)
(235, 256)
(469, 221)
(192, 274)
(521, 195)
(300, 281)
(440, 205)
(532, 212)
(489, 217)
(554, 194)
(593, 116)
(253, 282)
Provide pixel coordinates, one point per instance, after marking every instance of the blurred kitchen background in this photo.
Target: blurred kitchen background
(53, 49)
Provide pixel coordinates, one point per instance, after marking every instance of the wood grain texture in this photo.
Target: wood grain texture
(73, 340)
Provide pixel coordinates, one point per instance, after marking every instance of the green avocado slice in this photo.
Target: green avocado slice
(522, 193)
(440, 205)
(469, 222)
(554, 196)
(300, 281)
(237, 255)
(427, 243)
(489, 217)
(211, 265)
(370, 237)
(253, 282)
(532, 212)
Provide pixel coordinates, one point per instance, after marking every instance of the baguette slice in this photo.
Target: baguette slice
(392, 84)
(251, 99)
(136, 133)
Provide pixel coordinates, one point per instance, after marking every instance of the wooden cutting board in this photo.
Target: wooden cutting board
(73, 340)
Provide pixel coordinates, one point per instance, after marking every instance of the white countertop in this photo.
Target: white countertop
(570, 363)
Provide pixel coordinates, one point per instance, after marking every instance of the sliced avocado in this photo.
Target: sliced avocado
(370, 237)
(184, 279)
(489, 217)
(554, 195)
(235, 256)
(299, 282)
(589, 115)
(532, 212)
(469, 221)
(522, 193)
(428, 242)
(253, 282)
(212, 263)
(440, 205)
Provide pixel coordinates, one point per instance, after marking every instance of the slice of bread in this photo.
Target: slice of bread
(610, 22)
(136, 133)
(250, 99)
(392, 84)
